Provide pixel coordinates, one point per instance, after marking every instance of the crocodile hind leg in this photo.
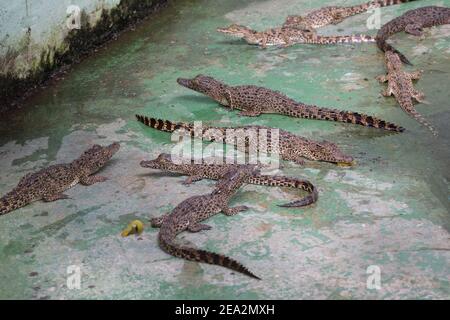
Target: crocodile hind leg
(249, 113)
(416, 75)
(386, 92)
(233, 211)
(198, 227)
(90, 180)
(192, 179)
(419, 96)
(389, 91)
(414, 29)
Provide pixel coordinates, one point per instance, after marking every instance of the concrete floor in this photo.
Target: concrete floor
(391, 210)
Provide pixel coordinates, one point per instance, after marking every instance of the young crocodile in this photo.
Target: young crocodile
(288, 36)
(412, 22)
(189, 213)
(401, 86)
(334, 14)
(49, 183)
(253, 101)
(199, 171)
(290, 147)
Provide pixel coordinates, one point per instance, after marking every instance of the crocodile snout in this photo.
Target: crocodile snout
(185, 82)
(146, 164)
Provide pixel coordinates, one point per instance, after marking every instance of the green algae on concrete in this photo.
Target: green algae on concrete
(391, 210)
(35, 46)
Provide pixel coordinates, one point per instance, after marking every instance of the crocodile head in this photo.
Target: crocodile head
(236, 30)
(328, 152)
(318, 151)
(163, 162)
(208, 86)
(96, 157)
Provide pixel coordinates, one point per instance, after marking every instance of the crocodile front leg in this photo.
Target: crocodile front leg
(390, 90)
(248, 113)
(90, 180)
(289, 156)
(192, 179)
(287, 41)
(54, 197)
(264, 41)
(232, 211)
(382, 78)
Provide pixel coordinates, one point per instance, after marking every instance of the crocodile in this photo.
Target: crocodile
(288, 146)
(412, 22)
(48, 184)
(401, 86)
(199, 171)
(285, 37)
(189, 213)
(334, 14)
(253, 101)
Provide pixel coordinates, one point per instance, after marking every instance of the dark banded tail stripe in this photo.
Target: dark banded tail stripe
(205, 257)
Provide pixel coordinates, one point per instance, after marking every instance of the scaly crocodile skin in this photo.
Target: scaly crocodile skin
(199, 171)
(189, 213)
(49, 183)
(253, 101)
(288, 36)
(412, 22)
(401, 86)
(334, 14)
(290, 147)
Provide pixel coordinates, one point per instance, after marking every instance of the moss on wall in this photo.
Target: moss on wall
(78, 43)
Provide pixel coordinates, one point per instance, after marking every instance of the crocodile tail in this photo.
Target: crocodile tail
(314, 112)
(361, 38)
(306, 201)
(13, 201)
(359, 8)
(282, 181)
(384, 46)
(409, 108)
(204, 256)
(363, 120)
(386, 3)
(163, 125)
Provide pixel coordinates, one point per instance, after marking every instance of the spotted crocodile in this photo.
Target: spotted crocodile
(287, 145)
(48, 184)
(253, 101)
(401, 86)
(199, 171)
(189, 213)
(334, 14)
(412, 22)
(285, 37)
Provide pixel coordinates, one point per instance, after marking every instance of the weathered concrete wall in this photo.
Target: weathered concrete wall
(38, 36)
